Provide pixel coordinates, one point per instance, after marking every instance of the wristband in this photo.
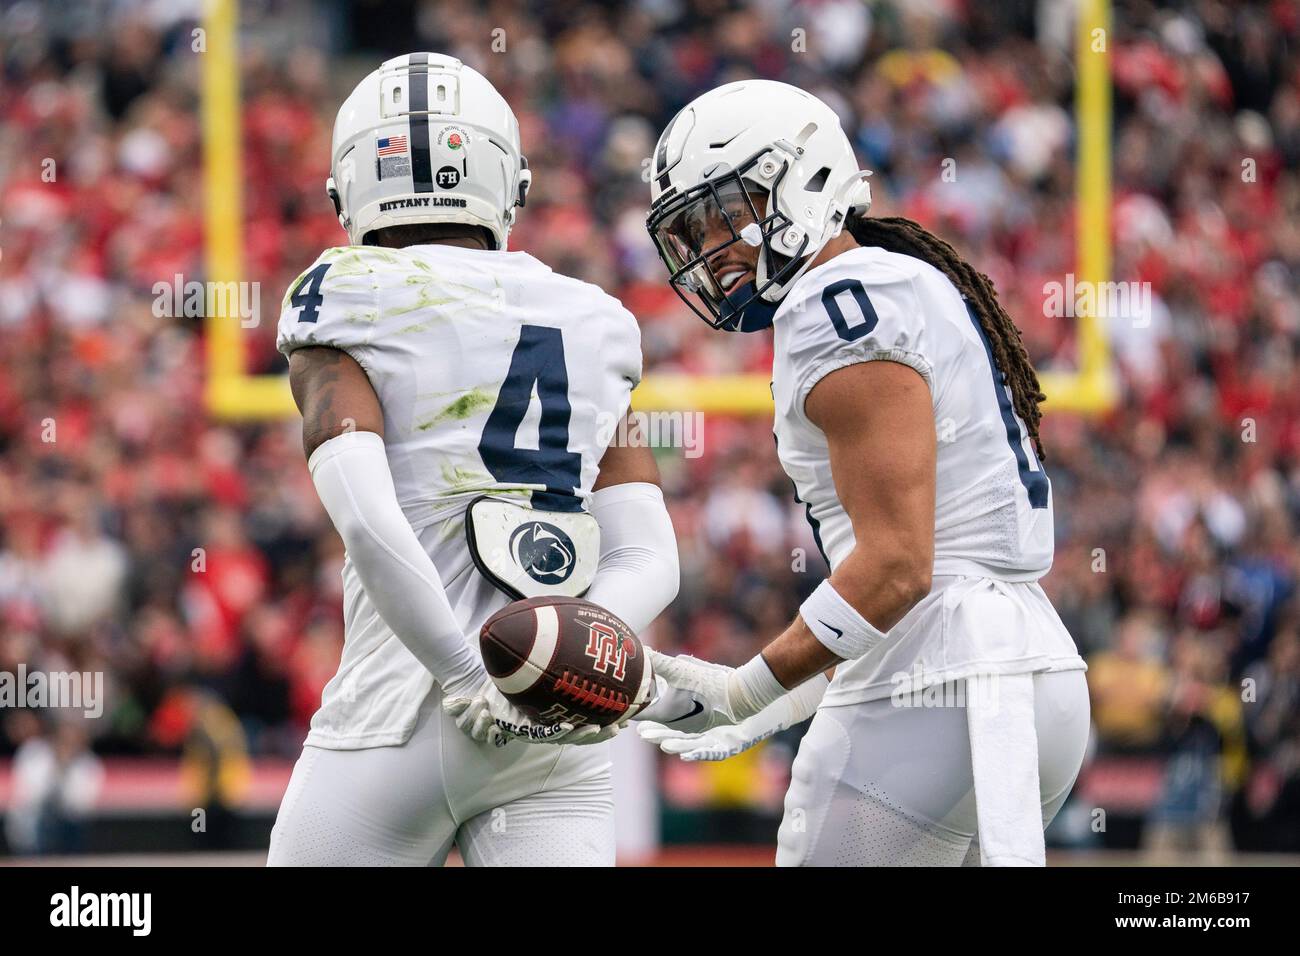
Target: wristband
(835, 623)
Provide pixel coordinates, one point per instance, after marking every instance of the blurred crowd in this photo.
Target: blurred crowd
(181, 555)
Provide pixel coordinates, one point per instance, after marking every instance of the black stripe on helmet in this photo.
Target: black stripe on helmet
(418, 122)
(661, 160)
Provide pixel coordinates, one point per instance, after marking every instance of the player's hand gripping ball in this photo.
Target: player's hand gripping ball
(566, 659)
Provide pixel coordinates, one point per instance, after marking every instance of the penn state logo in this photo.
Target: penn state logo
(544, 551)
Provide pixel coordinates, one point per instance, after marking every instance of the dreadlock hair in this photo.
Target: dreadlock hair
(896, 234)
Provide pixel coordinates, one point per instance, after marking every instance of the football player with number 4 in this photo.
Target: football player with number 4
(458, 402)
(907, 418)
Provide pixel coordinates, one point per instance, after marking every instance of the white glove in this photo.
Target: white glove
(674, 708)
(723, 742)
(728, 694)
(486, 716)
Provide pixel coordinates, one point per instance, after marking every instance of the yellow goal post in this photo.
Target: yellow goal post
(233, 394)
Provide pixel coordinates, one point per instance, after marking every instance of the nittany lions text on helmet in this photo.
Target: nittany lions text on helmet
(756, 141)
(425, 138)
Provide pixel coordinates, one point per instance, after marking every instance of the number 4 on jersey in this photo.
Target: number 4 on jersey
(538, 360)
(307, 296)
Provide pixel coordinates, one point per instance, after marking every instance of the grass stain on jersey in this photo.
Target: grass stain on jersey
(414, 328)
(353, 262)
(451, 529)
(367, 254)
(426, 299)
(466, 406)
(459, 480)
(346, 262)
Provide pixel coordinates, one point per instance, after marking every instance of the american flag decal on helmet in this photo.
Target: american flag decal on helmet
(391, 145)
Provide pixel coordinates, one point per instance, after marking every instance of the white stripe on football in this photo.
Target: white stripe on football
(539, 656)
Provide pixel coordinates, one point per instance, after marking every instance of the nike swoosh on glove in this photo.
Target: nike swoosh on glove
(705, 682)
(675, 708)
(728, 741)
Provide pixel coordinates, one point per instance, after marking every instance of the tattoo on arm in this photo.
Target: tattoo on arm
(334, 395)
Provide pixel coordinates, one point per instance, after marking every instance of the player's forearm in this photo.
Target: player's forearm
(850, 612)
(356, 487)
(883, 584)
(637, 575)
(796, 655)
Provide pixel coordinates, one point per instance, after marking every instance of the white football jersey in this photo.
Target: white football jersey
(495, 375)
(993, 500)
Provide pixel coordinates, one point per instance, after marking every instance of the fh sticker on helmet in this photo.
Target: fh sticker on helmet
(448, 177)
(544, 551)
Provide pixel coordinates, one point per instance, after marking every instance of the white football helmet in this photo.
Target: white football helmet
(728, 147)
(426, 139)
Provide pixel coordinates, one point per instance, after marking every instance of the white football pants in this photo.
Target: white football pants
(520, 805)
(875, 784)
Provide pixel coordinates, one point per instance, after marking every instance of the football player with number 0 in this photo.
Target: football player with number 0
(907, 418)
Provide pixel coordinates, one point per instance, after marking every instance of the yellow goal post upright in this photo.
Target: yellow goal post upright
(232, 394)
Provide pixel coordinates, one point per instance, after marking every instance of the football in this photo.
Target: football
(566, 659)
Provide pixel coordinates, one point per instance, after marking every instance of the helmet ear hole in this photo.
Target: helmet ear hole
(818, 181)
(332, 191)
(525, 181)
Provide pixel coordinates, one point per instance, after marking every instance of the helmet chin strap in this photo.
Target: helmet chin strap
(755, 316)
(742, 309)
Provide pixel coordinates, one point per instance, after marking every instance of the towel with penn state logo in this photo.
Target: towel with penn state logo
(528, 553)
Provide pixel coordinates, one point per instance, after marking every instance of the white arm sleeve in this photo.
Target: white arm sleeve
(637, 575)
(355, 485)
